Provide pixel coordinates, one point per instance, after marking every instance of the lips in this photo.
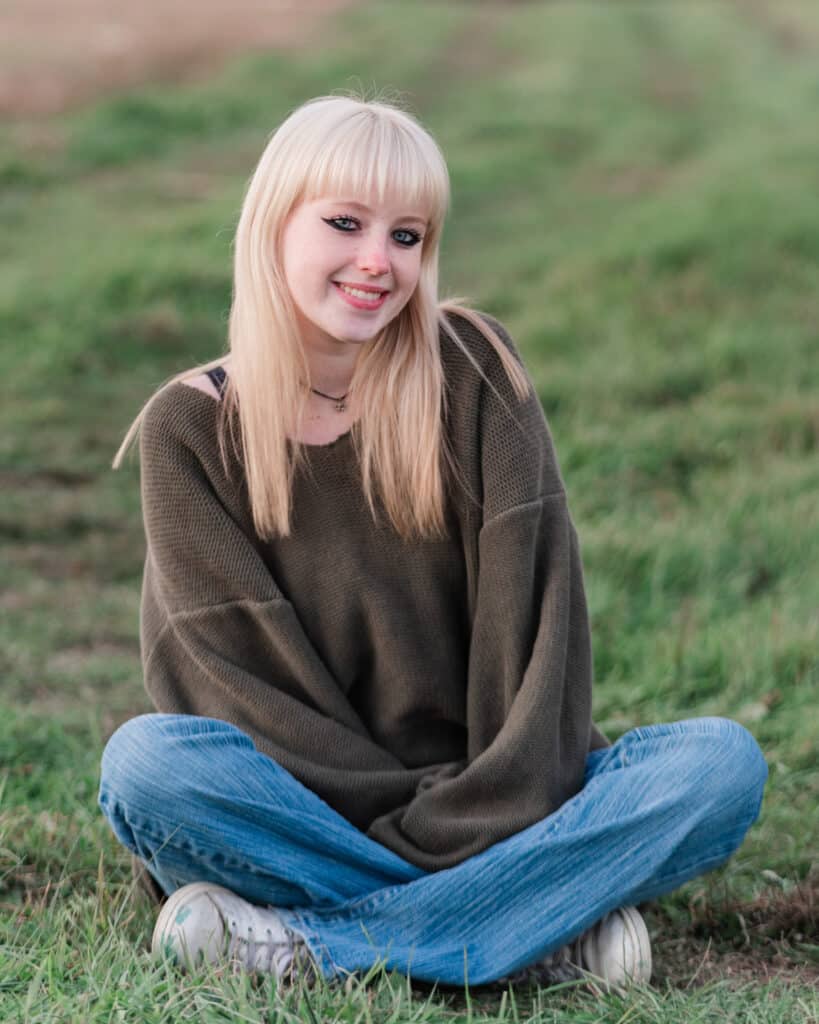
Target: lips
(362, 287)
(362, 297)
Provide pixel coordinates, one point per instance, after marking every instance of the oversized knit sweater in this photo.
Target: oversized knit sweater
(436, 693)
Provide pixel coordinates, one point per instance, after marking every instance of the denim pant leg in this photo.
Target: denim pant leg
(197, 802)
(664, 804)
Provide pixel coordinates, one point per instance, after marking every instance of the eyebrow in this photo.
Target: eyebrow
(361, 206)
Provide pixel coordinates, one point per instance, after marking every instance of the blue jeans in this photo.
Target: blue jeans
(196, 801)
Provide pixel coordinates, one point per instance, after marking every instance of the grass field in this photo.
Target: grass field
(635, 196)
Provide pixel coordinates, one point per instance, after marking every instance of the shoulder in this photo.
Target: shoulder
(180, 415)
(182, 457)
(474, 326)
(476, 342)
(496, 407)
(477, 351)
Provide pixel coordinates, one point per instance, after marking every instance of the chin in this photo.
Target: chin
(360, 338)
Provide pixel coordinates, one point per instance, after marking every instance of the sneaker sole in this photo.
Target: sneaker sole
(641, 943)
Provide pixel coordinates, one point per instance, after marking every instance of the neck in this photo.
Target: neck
(331, 366)
(332, 376)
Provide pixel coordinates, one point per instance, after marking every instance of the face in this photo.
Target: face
(351, 268)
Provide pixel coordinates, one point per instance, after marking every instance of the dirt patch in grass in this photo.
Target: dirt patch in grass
(685, 963)
(55, 56)
(774, 937)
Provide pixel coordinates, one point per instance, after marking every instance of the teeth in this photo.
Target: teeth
(359, 294)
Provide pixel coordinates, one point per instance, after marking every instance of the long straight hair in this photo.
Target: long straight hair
(338, 145)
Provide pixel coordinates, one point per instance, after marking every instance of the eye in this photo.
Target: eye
(410, 237)
(334, 222)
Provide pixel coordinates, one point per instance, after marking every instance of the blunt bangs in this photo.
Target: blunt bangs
(372, 155)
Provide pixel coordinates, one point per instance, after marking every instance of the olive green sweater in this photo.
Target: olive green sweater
(436, 693)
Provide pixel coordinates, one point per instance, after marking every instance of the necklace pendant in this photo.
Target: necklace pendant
(340, 406)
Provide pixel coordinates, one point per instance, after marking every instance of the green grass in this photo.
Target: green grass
(635, 196)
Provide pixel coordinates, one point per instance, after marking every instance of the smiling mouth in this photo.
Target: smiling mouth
(361, 298)
(365, 292)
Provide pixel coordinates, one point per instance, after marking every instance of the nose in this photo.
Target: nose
(373, 257)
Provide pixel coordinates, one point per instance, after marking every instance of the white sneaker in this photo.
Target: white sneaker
(615, 952)
(206, 922)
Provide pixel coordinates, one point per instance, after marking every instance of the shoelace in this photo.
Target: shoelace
(273, 955)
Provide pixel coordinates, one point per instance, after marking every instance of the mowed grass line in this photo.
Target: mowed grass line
(634, 196)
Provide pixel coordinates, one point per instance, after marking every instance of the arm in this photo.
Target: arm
(220, 639)
(529, 697)
(530, 668)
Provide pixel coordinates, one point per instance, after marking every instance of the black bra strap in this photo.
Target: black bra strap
(219, 379)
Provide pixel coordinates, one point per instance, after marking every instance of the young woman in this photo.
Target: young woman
(364, 626)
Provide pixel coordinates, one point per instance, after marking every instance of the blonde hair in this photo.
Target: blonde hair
(352, 146)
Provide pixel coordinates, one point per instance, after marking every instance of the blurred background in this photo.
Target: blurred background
(635, 194)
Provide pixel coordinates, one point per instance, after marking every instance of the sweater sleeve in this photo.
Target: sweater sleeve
(219, 639)
(530, 668)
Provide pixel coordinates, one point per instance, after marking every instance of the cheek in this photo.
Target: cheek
(308, 277)
(410, 272)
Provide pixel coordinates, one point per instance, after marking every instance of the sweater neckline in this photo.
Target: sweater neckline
(341, 441)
